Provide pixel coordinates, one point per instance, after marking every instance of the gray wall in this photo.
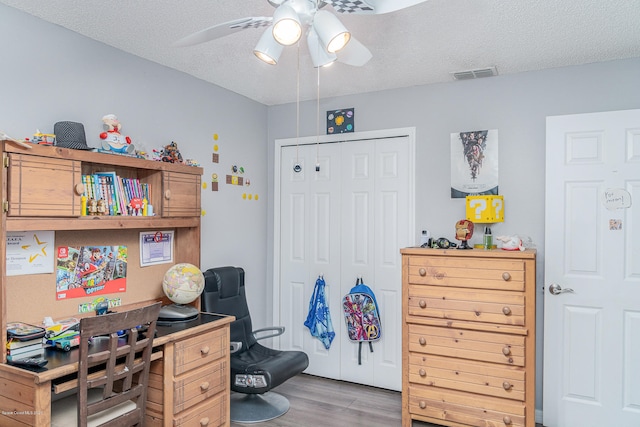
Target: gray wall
(50, 74)
(516, 105)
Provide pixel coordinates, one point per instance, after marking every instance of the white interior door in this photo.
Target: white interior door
(592, 245)
(350, 218)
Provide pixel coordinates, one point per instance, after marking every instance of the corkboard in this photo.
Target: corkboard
(30, 298)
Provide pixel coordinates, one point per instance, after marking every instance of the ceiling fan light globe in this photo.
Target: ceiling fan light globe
(319, 56)
(267, 49)
(338, 42)
(287, 28)
(333, 35)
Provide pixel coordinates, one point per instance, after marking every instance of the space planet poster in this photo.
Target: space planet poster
(474, 163)
(90, 270)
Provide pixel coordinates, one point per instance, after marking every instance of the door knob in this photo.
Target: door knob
(556, 289)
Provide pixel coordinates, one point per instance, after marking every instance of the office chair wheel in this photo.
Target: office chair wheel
(255, 408)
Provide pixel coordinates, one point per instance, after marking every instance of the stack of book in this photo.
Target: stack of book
(117, 192)
(24, 341)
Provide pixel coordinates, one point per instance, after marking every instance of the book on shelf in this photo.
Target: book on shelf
(34, 353)
(13, 344)
(23, 350)
(116, 191)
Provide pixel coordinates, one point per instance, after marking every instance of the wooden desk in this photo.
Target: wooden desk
(188, 382)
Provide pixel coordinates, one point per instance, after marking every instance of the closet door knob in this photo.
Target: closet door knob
(79, 189)
(167, 194)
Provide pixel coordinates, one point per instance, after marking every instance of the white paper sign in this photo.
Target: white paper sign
(30, 252)
(616, 198)
(156, 248)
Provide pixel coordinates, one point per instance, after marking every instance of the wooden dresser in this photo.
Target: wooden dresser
(468, 337)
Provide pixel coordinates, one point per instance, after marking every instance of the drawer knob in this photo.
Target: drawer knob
(422, 373)
(423, 404)
(79, 189)
(204, 350)
(422, 272)
(204, 386)
(506, 385)
(506, 350)
(507, 420)
(422, 304)
(506, 276)
(167, 194)
(422, 341)
(506, 311)
(204, 421)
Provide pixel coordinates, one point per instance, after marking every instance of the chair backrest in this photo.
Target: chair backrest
(122, 370)
(224, 293)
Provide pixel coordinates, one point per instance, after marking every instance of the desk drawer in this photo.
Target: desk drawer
(192, 353)
(210, 413)
(476, 305)
(465, 408)
(476, 377)
(199, 385)
(473, 345)
(501, 274)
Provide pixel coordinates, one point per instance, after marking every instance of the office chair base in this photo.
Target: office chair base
(255, 408)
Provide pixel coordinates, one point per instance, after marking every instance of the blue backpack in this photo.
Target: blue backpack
(362, 316)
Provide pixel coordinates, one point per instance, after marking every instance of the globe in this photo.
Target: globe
(183, 283)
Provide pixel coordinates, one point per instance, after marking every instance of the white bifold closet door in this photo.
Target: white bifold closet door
(348, 219)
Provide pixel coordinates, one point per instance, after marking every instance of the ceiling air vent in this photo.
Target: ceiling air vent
(474, 74)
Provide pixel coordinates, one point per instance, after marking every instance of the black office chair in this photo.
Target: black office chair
(255, 369)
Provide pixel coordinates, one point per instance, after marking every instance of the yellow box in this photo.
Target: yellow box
(485, 209)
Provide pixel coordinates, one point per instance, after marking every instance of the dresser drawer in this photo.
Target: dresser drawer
(194, 352)
(476, 377)
(473, 345)
(210, 413)
(501, 274)
(505, 308)
(199, 385)
(465, 408)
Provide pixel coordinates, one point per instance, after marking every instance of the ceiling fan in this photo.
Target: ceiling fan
(327, 39)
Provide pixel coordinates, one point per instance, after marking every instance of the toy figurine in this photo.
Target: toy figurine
(113, 140)
(464, 231)
(102, 207)
(92, 207)
(171, 154)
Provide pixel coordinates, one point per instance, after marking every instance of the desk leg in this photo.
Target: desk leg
(22, 401)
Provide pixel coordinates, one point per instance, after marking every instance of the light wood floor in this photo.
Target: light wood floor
(318, 402)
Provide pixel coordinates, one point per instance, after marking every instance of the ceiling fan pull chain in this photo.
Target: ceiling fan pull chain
(297, 168)
(318, 123)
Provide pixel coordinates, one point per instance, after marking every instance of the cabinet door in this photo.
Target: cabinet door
(42, 186)
(181, 195)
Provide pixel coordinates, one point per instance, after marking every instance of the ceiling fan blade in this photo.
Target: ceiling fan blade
(354, 53)
(371, 7)
(224, 29)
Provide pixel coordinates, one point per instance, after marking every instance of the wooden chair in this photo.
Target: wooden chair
(113, 377)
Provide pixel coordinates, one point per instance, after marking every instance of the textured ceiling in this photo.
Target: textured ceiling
(419, 45)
